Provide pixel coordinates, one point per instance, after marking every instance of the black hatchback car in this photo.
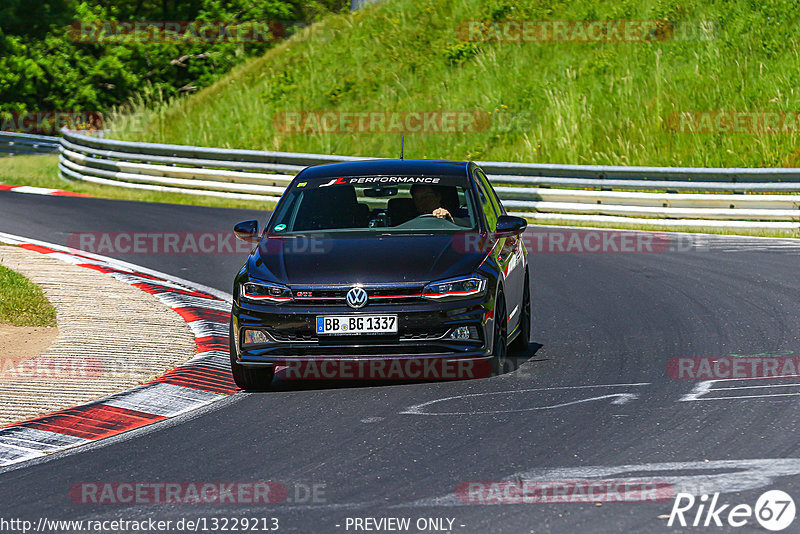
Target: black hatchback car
(396, 269)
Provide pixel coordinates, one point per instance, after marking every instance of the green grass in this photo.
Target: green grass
(23, 303)
(42, 171)
(551, 102)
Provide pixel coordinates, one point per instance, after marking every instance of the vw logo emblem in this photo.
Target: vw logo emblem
(356, 297)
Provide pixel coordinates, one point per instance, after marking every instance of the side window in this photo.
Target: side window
(489, 189)
(486, 205)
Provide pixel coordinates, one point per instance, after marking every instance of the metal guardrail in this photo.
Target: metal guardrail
(538, 191)
(20, 143)
(671, 174)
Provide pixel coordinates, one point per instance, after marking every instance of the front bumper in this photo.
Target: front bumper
(420, 349)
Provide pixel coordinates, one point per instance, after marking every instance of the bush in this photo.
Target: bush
(42, 67)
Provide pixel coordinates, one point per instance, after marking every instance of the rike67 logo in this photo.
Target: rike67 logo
(774, 510)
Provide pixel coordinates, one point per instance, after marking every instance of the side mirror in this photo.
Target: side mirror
(508, 225)
(246, 231)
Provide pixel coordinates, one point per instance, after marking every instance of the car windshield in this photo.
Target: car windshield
(402, 204)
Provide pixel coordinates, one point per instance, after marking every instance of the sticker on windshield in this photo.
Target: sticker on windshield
(378, 180)
(280, 228)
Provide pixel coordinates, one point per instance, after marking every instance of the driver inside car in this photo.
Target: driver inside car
(428, 200)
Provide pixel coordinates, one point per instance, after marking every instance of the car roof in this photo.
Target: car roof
(385, 167)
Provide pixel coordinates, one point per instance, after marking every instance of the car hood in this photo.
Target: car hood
(310, 260)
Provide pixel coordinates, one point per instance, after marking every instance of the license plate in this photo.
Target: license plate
(356, 324)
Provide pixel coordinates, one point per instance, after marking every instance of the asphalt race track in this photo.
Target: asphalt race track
(591, 400)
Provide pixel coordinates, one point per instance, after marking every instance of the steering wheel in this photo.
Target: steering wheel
(431, 215)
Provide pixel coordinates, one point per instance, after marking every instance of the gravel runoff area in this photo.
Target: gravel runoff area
(111, 337)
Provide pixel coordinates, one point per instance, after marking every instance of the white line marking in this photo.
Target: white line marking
(622, 398)
(373, 419)
(707, 386)
(34, 190)
(757, 387)
(698, 391)
(748, 396)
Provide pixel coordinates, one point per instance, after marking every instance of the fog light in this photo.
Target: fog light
(254, 337)
(464, 332)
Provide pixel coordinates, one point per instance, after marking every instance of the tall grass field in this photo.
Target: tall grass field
(552, 101)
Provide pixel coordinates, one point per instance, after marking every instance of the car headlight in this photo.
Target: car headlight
(455, 288)
(265, 291)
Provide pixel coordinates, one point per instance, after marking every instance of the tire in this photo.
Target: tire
(248, 377)
(520, 344)
(500, 344)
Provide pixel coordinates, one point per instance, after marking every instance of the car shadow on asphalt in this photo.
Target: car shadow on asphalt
(279, 384)
(515, 360)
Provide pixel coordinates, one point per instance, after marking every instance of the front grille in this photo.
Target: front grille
(376, 294)
(286, 337)
(309, 337)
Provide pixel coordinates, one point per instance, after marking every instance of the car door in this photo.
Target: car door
(509, 252)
